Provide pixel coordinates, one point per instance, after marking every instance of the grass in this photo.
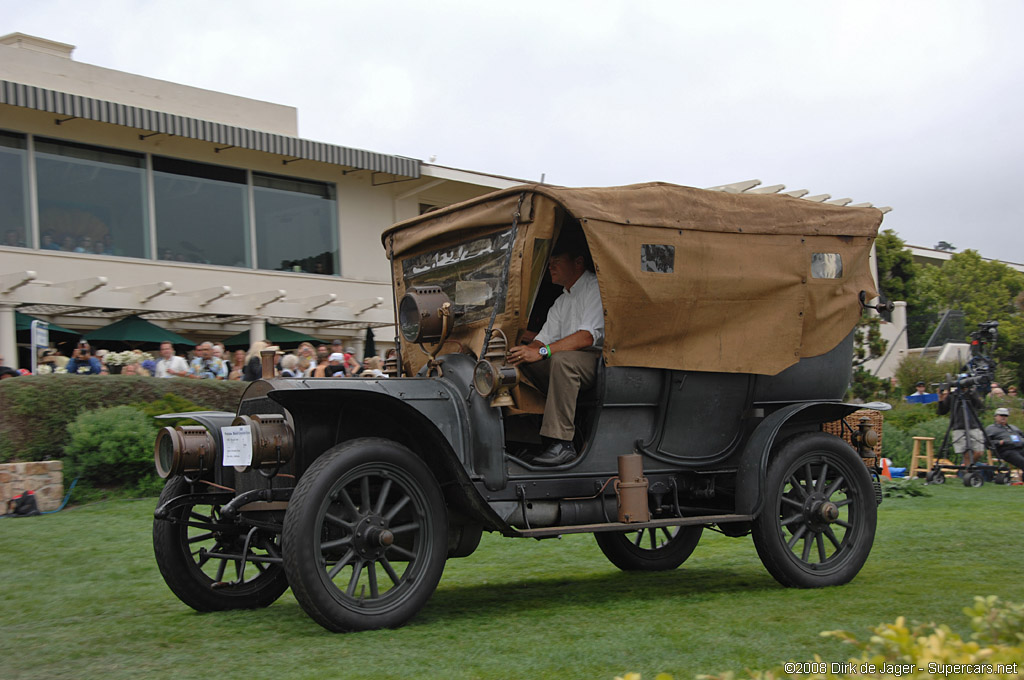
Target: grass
(81, 598)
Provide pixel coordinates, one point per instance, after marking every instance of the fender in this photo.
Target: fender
(753, 464)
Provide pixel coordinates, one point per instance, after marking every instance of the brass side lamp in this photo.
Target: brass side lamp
(492, 376)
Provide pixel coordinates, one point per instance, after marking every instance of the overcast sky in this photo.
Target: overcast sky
(914, 105)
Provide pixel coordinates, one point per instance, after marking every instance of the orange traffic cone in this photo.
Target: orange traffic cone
(885, 469)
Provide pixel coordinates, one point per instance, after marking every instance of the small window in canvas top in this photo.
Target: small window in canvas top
(657, 258)
(826, 266)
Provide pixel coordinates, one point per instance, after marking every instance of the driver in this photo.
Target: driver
(1007, 438)
(562, 358)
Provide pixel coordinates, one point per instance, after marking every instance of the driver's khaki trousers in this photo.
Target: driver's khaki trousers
(562, 378)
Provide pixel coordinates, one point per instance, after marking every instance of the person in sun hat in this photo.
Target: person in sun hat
(1008, 439)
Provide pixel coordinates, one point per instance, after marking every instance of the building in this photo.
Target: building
(199, 210)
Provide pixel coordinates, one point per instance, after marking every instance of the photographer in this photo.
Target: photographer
(1008, 439)
(83, 362)
(205, 365)
(968, 439)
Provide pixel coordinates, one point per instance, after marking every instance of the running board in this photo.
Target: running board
(629, 526)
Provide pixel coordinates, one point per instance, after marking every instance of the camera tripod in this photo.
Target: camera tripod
(971, 473)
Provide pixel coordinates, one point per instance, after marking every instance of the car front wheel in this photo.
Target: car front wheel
(365, 536)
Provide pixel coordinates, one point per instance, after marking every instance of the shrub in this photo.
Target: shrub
(914, 368)
(935, 427)
(35, 410)
(896, 444)
(904, 416)
(111, 446)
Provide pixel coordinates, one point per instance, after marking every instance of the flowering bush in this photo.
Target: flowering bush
(123, 358)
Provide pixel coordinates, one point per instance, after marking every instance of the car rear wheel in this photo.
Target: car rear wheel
(200, 556)
(365, 536)
(649, 549)
(818, 521)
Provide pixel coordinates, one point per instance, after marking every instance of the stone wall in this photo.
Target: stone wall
(45, 478)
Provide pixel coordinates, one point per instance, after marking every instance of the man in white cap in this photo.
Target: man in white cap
(1008, 439)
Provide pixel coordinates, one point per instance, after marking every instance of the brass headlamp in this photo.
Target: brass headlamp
(273, 440)
(184, 450)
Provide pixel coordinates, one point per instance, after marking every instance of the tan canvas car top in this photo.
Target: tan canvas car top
(690, 279)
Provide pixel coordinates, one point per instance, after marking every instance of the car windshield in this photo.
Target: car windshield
(469, 273)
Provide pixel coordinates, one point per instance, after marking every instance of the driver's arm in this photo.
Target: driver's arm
(529, 353)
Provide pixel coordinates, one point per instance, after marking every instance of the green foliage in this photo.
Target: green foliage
(896, 444)
(934, 427)
(903, 487)
(983, 290)
(915, 367)
(904, 416)
(169, 403)
(35, 410)
(868, 344)
(111, 446)
(897, 271)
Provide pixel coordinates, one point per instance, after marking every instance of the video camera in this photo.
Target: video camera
(987, 333)
(980, 368)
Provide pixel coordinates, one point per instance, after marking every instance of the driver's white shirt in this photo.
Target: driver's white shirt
(579, 308)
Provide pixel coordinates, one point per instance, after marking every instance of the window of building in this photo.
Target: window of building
(14, 222)
(91, 199)
(201, 212)
(296, 224)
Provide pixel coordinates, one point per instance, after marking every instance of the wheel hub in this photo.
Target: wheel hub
(820, 512)
(371, 537)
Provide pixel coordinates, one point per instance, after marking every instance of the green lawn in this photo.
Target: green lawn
(81, 598)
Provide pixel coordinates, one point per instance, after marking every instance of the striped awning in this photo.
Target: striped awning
(77, 106)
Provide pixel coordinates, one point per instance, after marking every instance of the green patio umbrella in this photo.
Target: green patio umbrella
(136, 333)
(276, 335)
(23, 326)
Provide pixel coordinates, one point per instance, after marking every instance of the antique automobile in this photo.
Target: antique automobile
(729, 334)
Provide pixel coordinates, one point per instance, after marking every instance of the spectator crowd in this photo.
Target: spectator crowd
(209, 361)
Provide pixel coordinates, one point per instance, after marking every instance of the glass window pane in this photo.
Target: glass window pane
(201, 213)
(296, 225)
(13, 190)
(91, 200)
(655, 257)
(826, 265)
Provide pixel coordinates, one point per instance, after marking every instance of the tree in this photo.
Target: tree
(982, 290)
(897, 271)
(868, 344)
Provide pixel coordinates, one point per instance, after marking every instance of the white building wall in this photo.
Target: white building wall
(367, 204)
(22, 62)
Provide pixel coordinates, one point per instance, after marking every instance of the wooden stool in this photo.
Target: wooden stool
(929, 455)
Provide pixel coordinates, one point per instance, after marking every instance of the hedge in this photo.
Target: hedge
(36, 410)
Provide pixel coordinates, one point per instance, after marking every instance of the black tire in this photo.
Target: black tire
(936, 477)
(1001, 478)
(667, 547)
(818, 493)
(360, 512)
(973, 479)
(186, 546)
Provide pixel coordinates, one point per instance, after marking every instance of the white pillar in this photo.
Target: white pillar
(899, 322)
(257, 329)
(8, 335)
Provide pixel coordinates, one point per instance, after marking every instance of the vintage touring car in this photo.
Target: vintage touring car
(729, 325)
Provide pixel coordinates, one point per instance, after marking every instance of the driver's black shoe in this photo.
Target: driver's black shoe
(558, 452)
